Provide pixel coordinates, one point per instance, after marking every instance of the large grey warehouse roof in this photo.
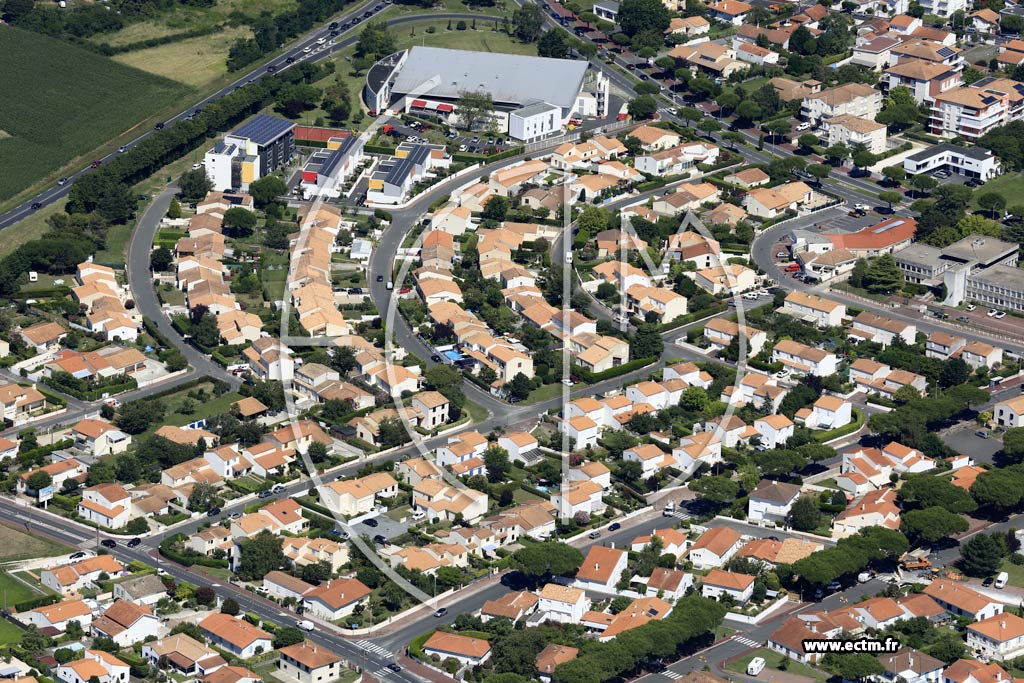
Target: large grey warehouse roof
(263, 129)
(510, 79)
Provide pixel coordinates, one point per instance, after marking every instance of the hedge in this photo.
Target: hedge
(52, 397)
(167, 550)
(595, 377)
(111, 50)
(535, 491)
(714, 309)
(858, 422)
(32, 603)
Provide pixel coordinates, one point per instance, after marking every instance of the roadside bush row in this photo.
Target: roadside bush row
(168, 550)
(595, 377)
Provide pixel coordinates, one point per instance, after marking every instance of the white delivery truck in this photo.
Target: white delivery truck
(756, 666)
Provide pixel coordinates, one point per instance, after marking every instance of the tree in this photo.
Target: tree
(1000, 489)
(259, 555)
(473, 107)
(883, 275)
(317, 452)
(550, 558)
(161, 259)
(931, 524)
(804, 515)
(204, 330)
(497, 463)
(647, 342)
(230, 606)
(808, 140)
(203, 497)
(993, 203)
(137, 526)
(266, 190)
(717, 489)
(639, 16)
(288, 635)
(748, 110)
(922, 182)
(954, 371)
(316, 572)
(295, 98)
(520, 387)
(863, 158)
(174, 209)
(926, 491)
(643, 107)
(554, 43)
(819, 171)
(239, 221)
(528, 22)
(1013, 443)
(193, 185)
(102, 193)
(854, 667)
(981, 555)
(895, 174)
(495, 209)
(900, 109)
(13, 10)
(39, 480)
(206, 596)
(375, 41)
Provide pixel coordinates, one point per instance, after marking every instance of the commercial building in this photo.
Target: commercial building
(973, 162)
(533, 96)
(251, 151)
(953, 265)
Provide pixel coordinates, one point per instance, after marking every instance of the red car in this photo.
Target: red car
(95, 164)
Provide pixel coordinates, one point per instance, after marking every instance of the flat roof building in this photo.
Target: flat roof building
(255, 149)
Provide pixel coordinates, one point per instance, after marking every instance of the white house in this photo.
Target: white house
(467, 650)
(236, 635)
(774, 430)
(1000, 637)
(771, 501)
(96, 665)
(563, 604)
(737, 586)
(335, 598)
(602, 568)
(715, 547)
(801, 359)
(127, 623)
(822, 312)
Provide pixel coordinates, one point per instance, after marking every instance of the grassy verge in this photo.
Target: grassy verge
(29, 228)
(774, 660)
(17, 545)
(13, 591)
(1009, 186)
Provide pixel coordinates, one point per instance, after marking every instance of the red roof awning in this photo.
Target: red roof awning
(445, 108)
(419, 104)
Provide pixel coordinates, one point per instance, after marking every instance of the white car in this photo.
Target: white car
(970, 307)
(992, 313)
(750, 296)
(568, 258)
(1000, 315)
(782, 374)
(307, 49)
(463, 148)
(321, 41)
(862, 207)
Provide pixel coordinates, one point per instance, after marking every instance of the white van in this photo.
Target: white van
(305, 625)
(756, 666)
(1001, 580)
(33, 276)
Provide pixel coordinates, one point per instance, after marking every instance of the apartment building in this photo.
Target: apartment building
(971, 111)
(822, 312)
(924, 79)
(857, 99)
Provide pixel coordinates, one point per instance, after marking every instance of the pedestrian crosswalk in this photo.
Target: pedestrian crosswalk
(746, 641)
(376, 649)
(382, 672)
(672, 674)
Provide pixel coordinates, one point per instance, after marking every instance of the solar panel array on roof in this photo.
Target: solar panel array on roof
(337, 156)
(946, 52)
(263, 129)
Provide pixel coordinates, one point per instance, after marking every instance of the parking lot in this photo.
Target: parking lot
(965, 440)
(385, 526)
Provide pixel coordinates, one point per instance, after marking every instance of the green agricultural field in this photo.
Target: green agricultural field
(61, 101)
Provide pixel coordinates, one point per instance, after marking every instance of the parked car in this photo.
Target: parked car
(594, 534)
(213, 512)
(79, 555)
(614, 526)
(992, 313)
(982, 434)
(265, 494)
(436, 358)
(371, 522)
(987, 582)
(970, 307)
(1000, 315)
(440, 612)
(380, 540)
(278, 488)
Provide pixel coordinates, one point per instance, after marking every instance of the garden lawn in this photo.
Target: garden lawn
(62, 101)
(1015, 572)
(13, 591)
(9, 633)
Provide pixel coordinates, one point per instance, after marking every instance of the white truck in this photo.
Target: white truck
(670, 509)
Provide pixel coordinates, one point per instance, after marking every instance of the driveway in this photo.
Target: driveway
(386, 527)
